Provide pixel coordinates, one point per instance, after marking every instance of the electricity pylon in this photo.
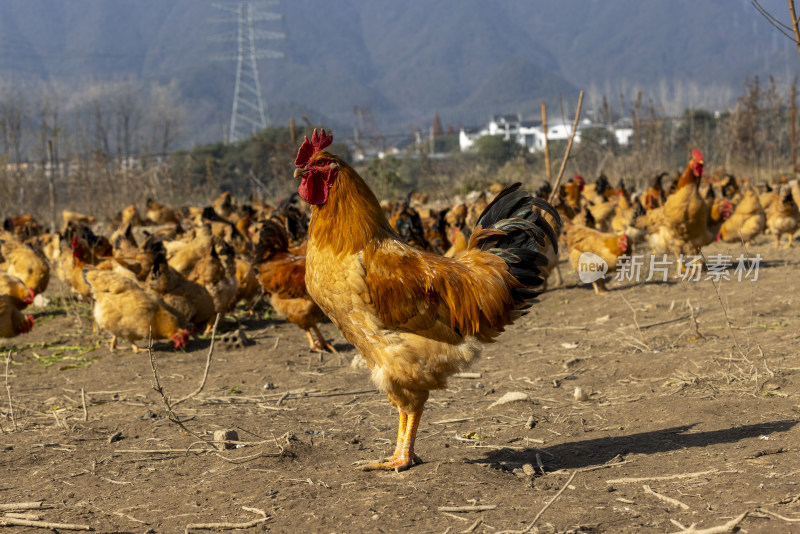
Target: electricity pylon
(248, 114)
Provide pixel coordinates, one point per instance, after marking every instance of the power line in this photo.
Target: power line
(248, 114)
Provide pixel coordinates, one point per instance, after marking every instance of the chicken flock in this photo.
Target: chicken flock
(195, 262)
(416, 287)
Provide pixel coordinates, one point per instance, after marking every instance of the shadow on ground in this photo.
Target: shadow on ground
(592, 452)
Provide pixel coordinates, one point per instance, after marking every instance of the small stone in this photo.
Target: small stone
(530, 423)
(528, 469)
(580, 394)
(511, 396)
(226, 436)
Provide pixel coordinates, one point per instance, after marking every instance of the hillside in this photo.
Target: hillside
(465, 59)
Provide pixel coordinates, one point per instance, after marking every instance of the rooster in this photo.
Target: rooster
(416, 317)
(681, 225)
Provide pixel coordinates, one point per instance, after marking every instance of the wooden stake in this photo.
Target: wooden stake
(547, 169)
(569, 147)
(794, 133)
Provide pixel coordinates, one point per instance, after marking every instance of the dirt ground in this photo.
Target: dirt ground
(646, 408)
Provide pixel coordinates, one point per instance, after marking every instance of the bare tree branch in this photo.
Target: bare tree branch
(792, 32)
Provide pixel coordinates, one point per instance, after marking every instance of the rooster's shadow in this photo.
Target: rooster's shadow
(593, 452)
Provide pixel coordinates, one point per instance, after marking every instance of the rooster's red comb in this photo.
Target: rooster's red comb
(318, 142)
(697, 155)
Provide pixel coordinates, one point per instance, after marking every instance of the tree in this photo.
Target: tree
(495, 150)
(127, 114)
(12, 112)
(793, 31)
(166, 117)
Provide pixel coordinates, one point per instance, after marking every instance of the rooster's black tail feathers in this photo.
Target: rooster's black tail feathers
(525, 237)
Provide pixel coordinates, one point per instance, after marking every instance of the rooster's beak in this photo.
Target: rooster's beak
(300, 172)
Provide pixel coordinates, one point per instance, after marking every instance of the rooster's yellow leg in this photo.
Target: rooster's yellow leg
(403, 456)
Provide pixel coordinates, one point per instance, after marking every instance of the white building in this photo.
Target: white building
(623, 131)
(526, 133)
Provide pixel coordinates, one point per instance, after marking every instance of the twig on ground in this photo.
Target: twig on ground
(8, 390)
(208, 366)
(467, 375)
(727, 317)
(55, 416)
(557, 495)
(160, 390)
(18, 515)
(36, 505)
(83, 401)
(473, 526)
(764, 359)
(475, 508)
(151, 451)
(11, 521)
(667, 477)
(668, 321)
(118, 482)
(668, 500)
(283, 398)
(231, 526)
(458, 420)
(782, 518)
(542, 511)
(605, 466)
(337, 394)
(694, 320)
(635, 321)
(721, 529)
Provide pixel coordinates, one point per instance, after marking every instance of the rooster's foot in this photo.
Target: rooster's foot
(393, 463)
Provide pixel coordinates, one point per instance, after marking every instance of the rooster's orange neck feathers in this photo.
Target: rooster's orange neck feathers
(352, 216)
(688, 176)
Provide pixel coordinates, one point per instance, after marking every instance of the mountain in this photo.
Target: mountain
(404, 61)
